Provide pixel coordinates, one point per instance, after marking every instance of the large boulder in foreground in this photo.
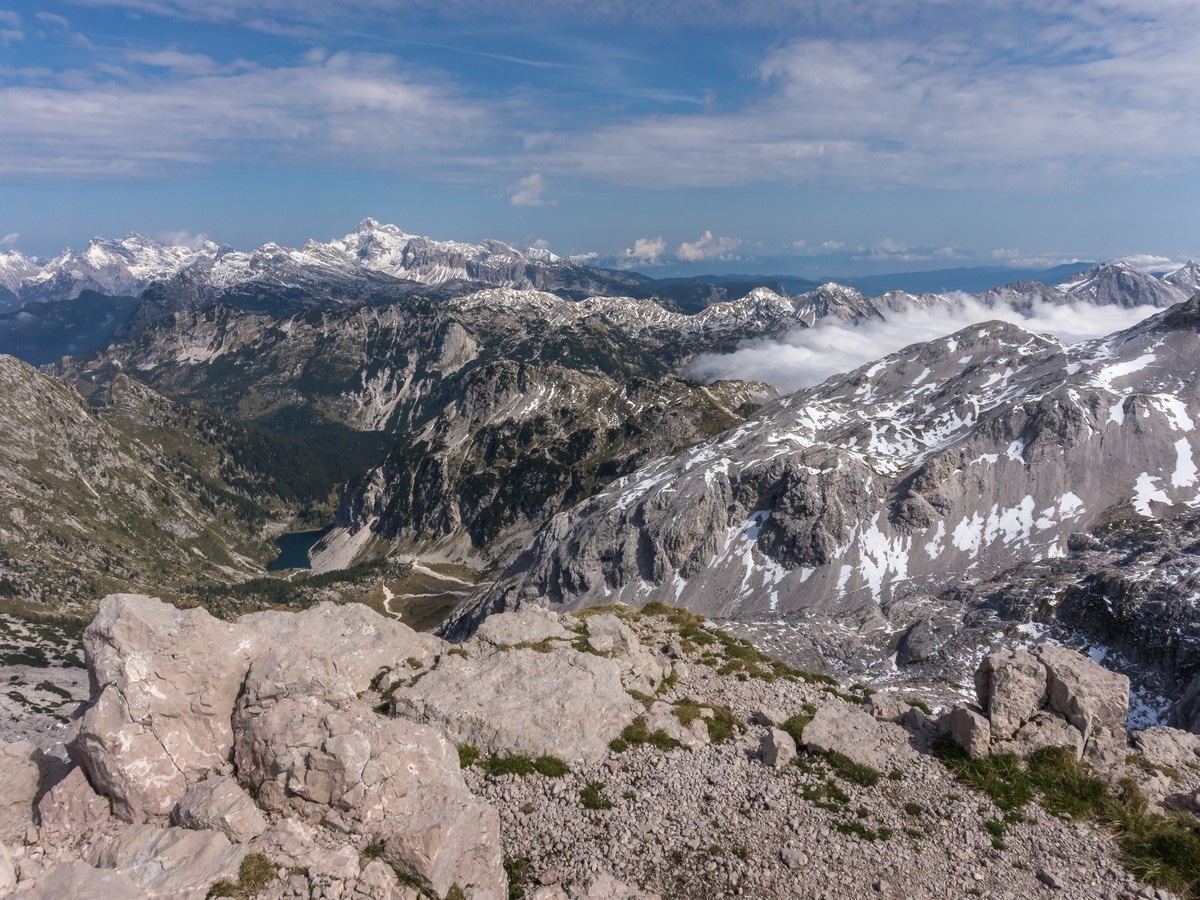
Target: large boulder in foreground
(164, 683)
(332, 643)
(546, 700)
(840, 727)
(1048, 696)
(307, 746)
(174, 863)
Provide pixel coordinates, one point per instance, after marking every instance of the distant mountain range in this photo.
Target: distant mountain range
(78, 302)
(379, 256)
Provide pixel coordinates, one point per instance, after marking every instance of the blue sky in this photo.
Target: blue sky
(821, 137)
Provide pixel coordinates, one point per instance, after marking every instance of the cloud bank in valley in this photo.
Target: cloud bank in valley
(807, 356)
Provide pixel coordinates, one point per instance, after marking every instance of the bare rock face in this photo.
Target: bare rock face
(330, 643)
(171, 862)
(8, 873)
(523, 701)
(970, 729)
(20, 776)
(79, 881)
(642, 670)
(845, 729)
(72, 805)
(164, 682)
(306, 744)
(219, 803)
(1185, 713)
(1049, 696)
(529, 624)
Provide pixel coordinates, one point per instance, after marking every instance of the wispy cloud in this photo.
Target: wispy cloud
(54, 19)
(9, 239)
(359, 109)
(184, 63)
(1053, 97)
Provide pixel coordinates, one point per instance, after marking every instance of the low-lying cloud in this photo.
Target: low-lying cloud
(807, 356)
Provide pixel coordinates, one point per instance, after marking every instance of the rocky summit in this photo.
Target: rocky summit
(616, 753)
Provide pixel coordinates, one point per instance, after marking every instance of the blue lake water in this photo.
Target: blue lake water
(293, 549)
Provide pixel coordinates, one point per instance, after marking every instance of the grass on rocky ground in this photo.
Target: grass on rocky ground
(720, 721)
(517, 869)
(592, 796)
(1162, 849)
(736, 656)
(516, 764)
(637, 733)
(253, 875)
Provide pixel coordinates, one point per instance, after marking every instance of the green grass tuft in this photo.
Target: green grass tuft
(592, 797)
(517, 764)
(551, 766)
(856, 773)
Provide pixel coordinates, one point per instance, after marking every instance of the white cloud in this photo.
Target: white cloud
(830, 246)
(10, 36)
(800, 244)
(9, 239)
(10, 18)
(645, 251)
(53, 19)
(807, 356)
(182, 238)
(708, 247)
(529, 190)
(1023, 260)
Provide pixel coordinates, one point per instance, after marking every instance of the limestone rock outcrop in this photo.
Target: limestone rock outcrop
(1185, 714)
(1048, 696)
(172, 862)
(180, 697)
(523, 700)
(164, 682)
(72, 805)
(219, 803)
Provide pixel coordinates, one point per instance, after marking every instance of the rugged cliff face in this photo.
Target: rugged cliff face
(520, 443)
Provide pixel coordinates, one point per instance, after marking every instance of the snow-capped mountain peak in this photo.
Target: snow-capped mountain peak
(1186, 277)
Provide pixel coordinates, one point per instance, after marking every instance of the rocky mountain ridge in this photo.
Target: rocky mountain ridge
(860, 500)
